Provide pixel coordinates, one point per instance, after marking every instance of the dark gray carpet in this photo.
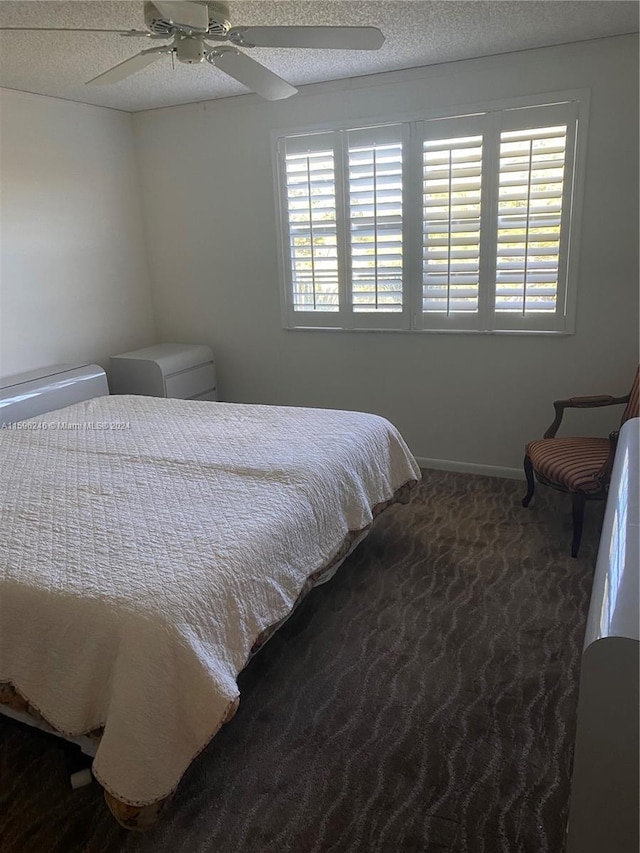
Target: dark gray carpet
(423, 700)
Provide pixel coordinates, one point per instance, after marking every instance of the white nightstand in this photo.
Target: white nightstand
(186, 371)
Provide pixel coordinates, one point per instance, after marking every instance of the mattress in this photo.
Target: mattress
(151, 545)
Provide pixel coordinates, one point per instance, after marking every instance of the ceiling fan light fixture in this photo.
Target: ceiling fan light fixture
(190, 49)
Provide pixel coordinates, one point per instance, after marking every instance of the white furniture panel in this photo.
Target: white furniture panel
(190, 383)
(604, 814)
(27, 395)
(184, 371)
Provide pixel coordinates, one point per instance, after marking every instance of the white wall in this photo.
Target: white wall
(474, 399)
(74, 283)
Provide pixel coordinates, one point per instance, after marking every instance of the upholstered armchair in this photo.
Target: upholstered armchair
(579, 466)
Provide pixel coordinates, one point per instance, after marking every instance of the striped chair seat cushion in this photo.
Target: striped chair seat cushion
(571, 463)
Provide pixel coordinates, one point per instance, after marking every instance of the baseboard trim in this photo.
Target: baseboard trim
(471, 468)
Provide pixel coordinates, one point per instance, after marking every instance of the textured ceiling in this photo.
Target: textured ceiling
(417, 33)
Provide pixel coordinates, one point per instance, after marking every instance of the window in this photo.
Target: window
(446, 223)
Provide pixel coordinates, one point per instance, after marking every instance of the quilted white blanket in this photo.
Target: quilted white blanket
(139, 564)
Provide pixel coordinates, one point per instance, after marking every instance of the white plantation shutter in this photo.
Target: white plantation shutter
(375, 213)
(444, 224)
(531, 183)
(312, 223)
(532, 216)
(452, 178)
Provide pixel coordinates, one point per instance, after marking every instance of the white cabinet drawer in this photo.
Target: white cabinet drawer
(192, 382)
(183, 371)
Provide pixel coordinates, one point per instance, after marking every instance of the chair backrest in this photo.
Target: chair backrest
(631, 409)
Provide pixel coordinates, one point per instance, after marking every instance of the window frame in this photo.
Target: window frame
(494, 117)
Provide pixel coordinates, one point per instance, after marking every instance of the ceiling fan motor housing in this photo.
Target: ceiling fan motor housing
(219, 23)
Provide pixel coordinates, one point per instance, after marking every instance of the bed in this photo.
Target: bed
(151, 546)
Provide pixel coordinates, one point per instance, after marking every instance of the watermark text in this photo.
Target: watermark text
(66, 426)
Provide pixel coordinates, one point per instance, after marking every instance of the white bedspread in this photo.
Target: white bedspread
(139, 565)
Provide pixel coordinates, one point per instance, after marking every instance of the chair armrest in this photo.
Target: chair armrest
(581, 403)
(592, 402)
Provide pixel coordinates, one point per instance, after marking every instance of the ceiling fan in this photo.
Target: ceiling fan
(198, 30)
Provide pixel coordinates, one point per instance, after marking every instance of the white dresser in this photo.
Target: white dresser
(185, 371)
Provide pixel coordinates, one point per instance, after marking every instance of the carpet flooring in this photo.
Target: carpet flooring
(423, 700)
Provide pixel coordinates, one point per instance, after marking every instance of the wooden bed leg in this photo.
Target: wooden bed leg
(139, 818)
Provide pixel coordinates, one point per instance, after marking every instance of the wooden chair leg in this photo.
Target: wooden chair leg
(531, 482)
(579, 500)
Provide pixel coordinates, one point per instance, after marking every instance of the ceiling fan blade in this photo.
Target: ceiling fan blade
(251, 73)
(76, 30)
(340, 38)
(129, 66)
(194, 16)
